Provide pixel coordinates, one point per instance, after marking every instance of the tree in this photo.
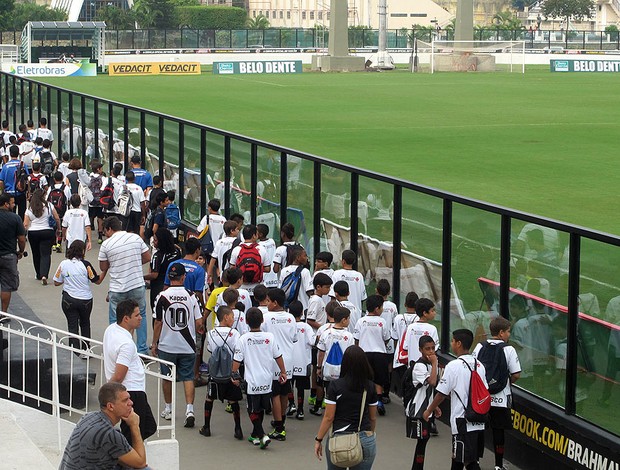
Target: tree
(260, 22)
(567, 9)
(6, 7)
(116, 18)
(29, 11)
(158, 14)
(508, 21)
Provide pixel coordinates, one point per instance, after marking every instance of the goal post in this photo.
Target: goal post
(474, 56)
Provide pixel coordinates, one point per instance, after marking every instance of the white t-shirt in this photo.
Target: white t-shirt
(45, 133)
(455, 381)
(76, 276)
(356, 314)
(270, 279)
(316, 310)
(284, 328)
(503, 399)
(123, 251)
(26, 150)
(119, 348)
(357, 288)
(39, 223)
(281, 254)
(372, 332)
(263, 256)
(331, 335)
(63, 167)
(412, 338)
(389, 313)
(257, 350)
(75, 221)
(178, 310)
(222, 246)
(244, 298)
(401, 322)
(330, 272)
(137, 197)
(219, 334)
(306, 283)
(239, 323)
(216, 226)
(302, 349)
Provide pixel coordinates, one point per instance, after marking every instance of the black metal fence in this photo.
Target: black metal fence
(186, 38)
(557, 283)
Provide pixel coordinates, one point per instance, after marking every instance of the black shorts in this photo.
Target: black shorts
(224, 391)
(315, 353)
(95, 211)
(258, 403)
(380, 367)
(500, 418)
(278, 389)
(9, 276)
(417, 428)
(301, 382)
(467, 447)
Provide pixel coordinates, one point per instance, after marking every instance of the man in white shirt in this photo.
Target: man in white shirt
(123, 254)
(455, 383)
(270, 279)
(357, 288)
(43, 131)
(76, 224)
(123, 365)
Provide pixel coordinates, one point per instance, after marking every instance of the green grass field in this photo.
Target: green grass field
(540, 142)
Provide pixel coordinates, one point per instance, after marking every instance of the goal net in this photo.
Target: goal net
(471, 56)
(9, 53)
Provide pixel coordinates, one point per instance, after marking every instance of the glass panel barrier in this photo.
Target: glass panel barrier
(191, 174)
(539, 286)
(151, 161)
(77, 149)
(475, 256)
(300, 208)
(335, 215)
(240, 179)
(215, 168)
(171, 152)
(106, 141)
(92, 134)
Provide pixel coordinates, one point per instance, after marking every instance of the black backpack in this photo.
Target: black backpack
(407, 387)
(107, 196)
(21, 178)
(58, 199)
(47, 163)
(494, 361)
(150, 222)
(226, 255)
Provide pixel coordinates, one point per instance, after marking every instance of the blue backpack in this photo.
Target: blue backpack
(173, 216)
(291, 285)
(331, 366)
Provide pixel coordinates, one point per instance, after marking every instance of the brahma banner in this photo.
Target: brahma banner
(51, 70)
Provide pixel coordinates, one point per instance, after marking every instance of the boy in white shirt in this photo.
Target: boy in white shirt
(341, 294)
(302, 358)
(226, 336)
(260, 297)
(399, 330)
(299, 261)
(322, 264)
(231, 232)
(214, 220)
(283, 255)
(455, 382)
(371, 334)
(76, 223)
(257, 350)
(357, 288)
(282, 324)
(270, 278)
(230, 297)
(315, 315)
(247, 256)
(137, 216)
(500, 417)
(234, 279)
(389, 314)
(425, 309)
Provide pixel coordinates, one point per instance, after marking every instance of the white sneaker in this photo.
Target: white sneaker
(189, 419)
(166, 414)
(503, 467)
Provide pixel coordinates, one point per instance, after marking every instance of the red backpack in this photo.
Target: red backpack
(479, 400)
(250, 263)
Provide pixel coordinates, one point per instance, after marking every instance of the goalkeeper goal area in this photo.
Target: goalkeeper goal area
(469, 56)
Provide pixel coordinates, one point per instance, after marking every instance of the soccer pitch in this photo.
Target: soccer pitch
(540, 142)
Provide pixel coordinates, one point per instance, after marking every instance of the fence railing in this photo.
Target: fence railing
(44, 370)
(418, 238)
(303, 38)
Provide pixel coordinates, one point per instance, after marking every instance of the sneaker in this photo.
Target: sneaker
(290, 411)
(300, 415)
(238, 433)
(205, 431)
(264, 442)
(100, 240)
(433, 429)
(228, 408)
(254, 440)
(189, 419)
(380, 408)
(386, 399)
(166, 414)
(316, 411)
(278, 435)
(312, 401)
(44, 281)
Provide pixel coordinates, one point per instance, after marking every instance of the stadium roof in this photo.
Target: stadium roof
(67, 24)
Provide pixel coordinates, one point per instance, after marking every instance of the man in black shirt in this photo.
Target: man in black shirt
(13, 233)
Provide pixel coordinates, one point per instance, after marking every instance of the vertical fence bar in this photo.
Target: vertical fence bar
(181, 167)
(283, 189)
(203, 172)
(111, 135)
(70, 101)
(253, 182)
(143, 139)
(227, 176)
(572, 344)
(83, 113)
(126, 138)
(396, 242)
(316, 222)
(446, 275)
(355, 195)
(161, 146)
(504, 266)
(96, 135)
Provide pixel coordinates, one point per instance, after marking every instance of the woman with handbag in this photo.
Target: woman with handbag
(41, 221)
(350, 416)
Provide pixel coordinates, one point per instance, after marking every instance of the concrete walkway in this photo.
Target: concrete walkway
(221, 450)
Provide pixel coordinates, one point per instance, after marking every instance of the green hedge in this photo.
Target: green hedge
(202, 17)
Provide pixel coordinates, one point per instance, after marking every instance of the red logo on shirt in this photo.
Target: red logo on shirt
(357, 279)
(289, 320)
(266, 341)
(380, 325)
(426, 333)
(346, 338)
(230, 334)
(302, 330)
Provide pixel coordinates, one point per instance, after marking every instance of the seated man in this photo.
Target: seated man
(95, 444)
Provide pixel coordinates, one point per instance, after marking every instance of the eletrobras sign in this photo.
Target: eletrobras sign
(154, 68)
(51, 70)
(258, 67)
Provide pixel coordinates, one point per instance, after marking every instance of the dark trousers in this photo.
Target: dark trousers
(20, 204)
(78, 318)
(133, 223)
(141, 406)
(41, 242)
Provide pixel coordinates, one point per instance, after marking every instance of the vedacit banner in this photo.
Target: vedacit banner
(154, 68)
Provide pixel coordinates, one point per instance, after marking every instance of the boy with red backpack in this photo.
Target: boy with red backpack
(461, 380)
(250, 258)
(59, 195)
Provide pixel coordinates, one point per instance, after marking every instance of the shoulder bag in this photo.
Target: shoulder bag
(345, 449)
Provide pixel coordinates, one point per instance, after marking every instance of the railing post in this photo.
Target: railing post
(55, 390)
